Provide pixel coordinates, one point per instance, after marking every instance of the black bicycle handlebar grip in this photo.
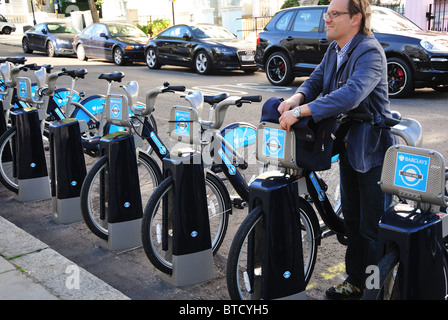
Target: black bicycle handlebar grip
(177, 88)
(390, 122)
(31, 66)
(252, 98)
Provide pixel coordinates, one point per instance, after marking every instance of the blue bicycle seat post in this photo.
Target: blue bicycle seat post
(67, 170)
(192, 255)
(32, 173)
(282, 256)
(124, 212)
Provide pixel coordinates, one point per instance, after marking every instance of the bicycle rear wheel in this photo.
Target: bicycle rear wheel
(94, 192)
(238, 266)
(218, 204)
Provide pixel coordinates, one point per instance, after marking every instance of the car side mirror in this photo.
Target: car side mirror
(103, 35)
(44, 31)
(186, 36)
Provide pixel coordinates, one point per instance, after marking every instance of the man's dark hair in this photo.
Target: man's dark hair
(363, 7)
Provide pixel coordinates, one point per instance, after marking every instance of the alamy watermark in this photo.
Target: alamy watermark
(72, 282)
(373, 278)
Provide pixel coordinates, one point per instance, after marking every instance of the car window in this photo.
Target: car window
(384, 21)
(2, 18)
(89, 30)
(123, 30)
(283, 21)
(176, 32)
(100, 28)
(61, 28)
(211, 31)
(307, 21)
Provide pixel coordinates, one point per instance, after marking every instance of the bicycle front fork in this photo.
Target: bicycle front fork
(281, 244)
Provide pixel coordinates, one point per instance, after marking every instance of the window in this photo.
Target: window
(89, 30)
(283, 22)
(100, 28)
(307, 21)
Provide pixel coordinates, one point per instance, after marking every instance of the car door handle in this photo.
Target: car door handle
(323, 41)
(289, 38)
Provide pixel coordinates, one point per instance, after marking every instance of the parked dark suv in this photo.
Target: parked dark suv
(294, 42)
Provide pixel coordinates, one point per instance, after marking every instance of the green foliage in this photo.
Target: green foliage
(155, 27)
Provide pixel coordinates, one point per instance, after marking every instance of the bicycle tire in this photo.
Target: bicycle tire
(7, 174)
(94, 198)
(389, 271)
(236, 280)
(152, 217)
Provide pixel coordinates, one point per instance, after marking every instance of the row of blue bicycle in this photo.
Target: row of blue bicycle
(179, 212)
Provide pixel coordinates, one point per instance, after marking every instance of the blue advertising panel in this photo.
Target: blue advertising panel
(274, 143)
(411, 171)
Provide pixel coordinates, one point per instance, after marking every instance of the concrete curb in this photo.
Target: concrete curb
(30, 270)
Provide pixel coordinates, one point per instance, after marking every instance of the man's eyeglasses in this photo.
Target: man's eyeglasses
(333, 14)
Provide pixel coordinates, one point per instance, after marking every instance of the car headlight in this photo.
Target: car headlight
(224, 50)
(435, 44)
(134, 46)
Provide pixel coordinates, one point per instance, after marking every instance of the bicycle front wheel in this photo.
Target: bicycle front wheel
(239, 266)
(95, 194)
(390, 278)
(8, 176)
(159, 250)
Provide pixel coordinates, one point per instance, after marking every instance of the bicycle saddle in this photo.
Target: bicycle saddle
(78, 73)
(16, 60)
(215, 99)
(112, 76)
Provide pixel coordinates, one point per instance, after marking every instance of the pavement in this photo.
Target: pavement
(31, 270)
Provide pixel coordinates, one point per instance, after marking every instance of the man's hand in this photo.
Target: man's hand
(294, 101)
(286, 120)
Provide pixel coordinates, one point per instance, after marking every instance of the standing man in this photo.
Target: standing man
(351, 77)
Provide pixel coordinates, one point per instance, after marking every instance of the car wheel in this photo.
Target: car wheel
(151, 59)
(7, 30)
(118, 57)
(279, 69)
(81, 53)
(202, 63)
(26, 46)
(399, 78)
(50, 49)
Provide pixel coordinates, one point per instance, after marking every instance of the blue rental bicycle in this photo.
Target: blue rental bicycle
(248, 264)
(413, 258)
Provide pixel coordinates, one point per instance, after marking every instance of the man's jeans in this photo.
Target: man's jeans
(363, 203)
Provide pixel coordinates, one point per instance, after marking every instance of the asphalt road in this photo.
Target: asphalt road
(130, 271)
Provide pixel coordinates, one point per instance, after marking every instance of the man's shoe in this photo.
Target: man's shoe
(344, 291)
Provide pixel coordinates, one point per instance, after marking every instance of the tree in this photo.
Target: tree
(93, 11)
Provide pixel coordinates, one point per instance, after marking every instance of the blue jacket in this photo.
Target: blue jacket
(361, 84)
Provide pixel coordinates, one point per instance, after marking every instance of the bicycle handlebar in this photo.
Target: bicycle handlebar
(152, 94)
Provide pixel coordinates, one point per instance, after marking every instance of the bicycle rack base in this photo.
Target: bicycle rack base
(282, 263)
(124, 235)
(32, 174)
(67, 170)
(422, 275)
(125, 212)
(192, 256)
